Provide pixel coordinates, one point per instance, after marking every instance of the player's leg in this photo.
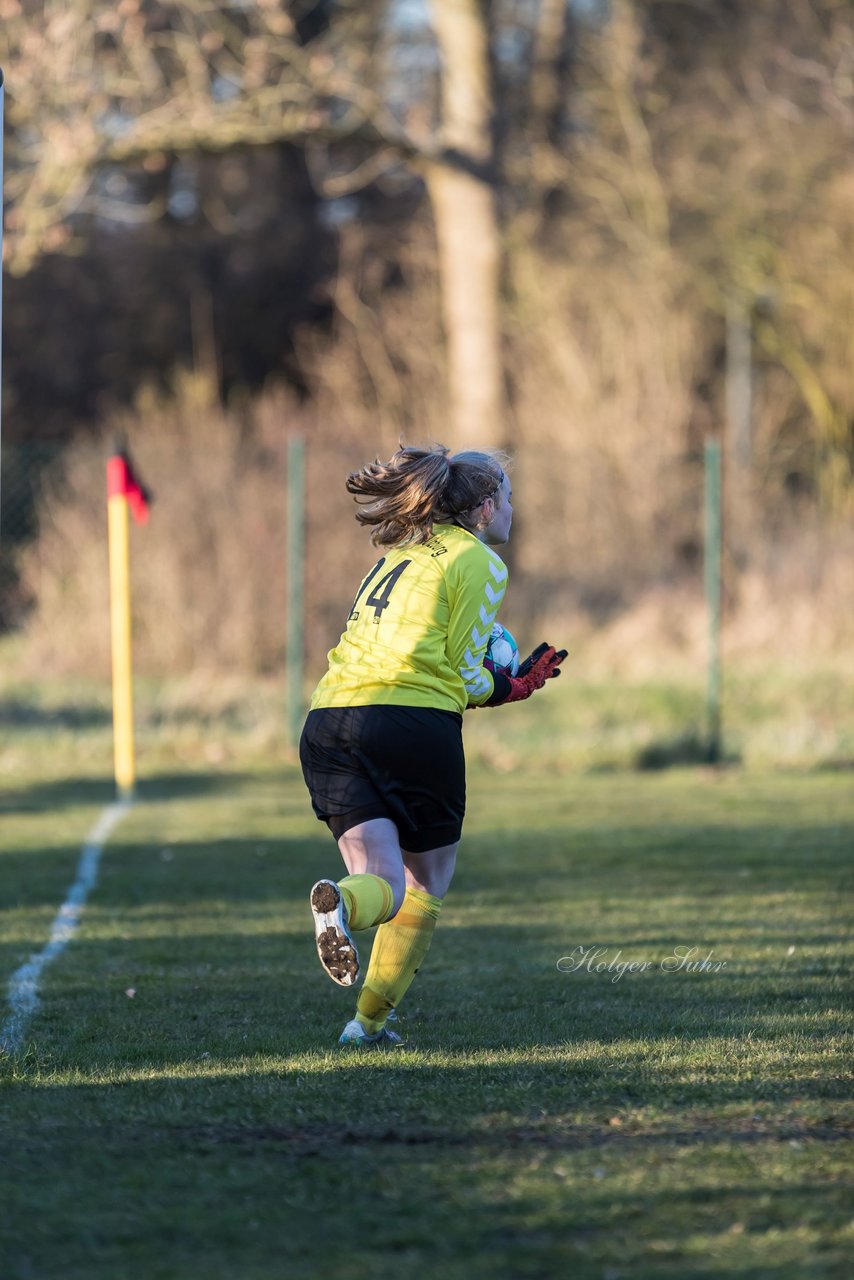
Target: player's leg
(338, 774)
(431, 765)
(402, 943)
(370, 894)
(375, 886)
(431, 872)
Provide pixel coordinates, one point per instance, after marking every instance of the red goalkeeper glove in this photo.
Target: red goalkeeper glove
(542, 665)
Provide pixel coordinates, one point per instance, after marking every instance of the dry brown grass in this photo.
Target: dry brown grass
(209, 570)
(208, 587)
(607, 550)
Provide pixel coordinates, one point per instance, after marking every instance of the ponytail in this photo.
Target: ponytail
(401, 499)
(397, 497)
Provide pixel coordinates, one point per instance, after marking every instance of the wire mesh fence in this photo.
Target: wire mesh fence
(209, 581)
(209, 569)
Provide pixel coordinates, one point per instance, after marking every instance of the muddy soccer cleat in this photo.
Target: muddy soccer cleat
(355, 1034)
(335, 947)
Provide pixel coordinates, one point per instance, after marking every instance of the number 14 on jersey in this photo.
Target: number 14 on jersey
(379, 597)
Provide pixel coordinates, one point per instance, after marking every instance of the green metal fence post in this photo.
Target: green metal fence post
(295, 643)
(712, 574)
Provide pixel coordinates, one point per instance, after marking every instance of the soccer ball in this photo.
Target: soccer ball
(502, 652)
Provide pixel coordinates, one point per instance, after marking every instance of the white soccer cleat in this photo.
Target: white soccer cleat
(335, 946)
(355, 1034)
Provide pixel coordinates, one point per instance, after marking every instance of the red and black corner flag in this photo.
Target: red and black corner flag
(122, 482)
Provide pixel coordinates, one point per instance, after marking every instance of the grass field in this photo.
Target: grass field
(179, 1108)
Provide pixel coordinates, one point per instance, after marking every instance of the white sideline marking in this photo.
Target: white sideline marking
(24, 982)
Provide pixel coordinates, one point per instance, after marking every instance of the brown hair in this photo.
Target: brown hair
(404, 497)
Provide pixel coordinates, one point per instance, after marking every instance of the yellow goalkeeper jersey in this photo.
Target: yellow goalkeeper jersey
(418, 629)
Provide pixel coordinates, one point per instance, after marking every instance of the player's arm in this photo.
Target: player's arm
(476, 583)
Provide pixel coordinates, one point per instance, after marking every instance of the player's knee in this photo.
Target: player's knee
(432, 872)
(398, 889)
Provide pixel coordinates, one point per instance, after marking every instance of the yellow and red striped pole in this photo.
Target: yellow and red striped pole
(122, 490)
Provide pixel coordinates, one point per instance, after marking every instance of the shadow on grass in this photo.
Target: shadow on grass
(189, 1179)
(561, 1091)
(231, 995)
(688, 748)
(21, 714)
(180, 786)
(66, 793)
(500, 1169)
(58, 793)
(38, 877)
(460, 1100)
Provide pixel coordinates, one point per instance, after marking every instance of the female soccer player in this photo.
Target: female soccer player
(381, 749)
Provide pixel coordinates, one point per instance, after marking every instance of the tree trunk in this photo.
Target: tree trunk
(463, 202)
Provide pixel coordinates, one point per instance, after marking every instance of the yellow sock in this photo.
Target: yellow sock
(369, 900)
(399, 948)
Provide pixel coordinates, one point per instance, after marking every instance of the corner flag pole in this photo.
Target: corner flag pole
(124, 495)
(119, 539)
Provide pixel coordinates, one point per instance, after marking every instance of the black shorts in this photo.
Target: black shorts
(402, 763)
